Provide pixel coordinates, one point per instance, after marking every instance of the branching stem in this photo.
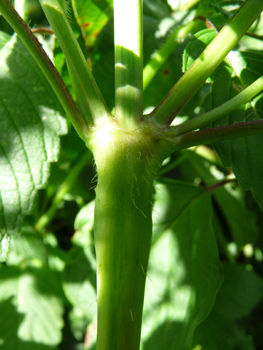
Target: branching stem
(222, 110)
(88, 95)
(218, 134)
(206, 63)
(174, 40)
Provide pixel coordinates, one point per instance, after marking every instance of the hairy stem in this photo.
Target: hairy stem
(127, 163)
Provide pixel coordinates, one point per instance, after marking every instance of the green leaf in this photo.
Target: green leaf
(196, 46)
(30, 299)
(79, 277)
(218, 11)
(242, 154)
(55, 256)
(103, 65)
(178, 297)
(218, 333)
(80, 326)
(156, 32)
(25, 247)
(31, 120)
(4, 38)
(79, 281)
(240, 293)
(172, 198)
(92, 16)
(241, 221)
(231, 77)
(157, 9)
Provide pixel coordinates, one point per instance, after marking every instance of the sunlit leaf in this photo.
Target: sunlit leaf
(232, 76)
(31, 120)
(31, 301)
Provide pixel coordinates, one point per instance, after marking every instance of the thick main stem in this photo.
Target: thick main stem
(126, 164)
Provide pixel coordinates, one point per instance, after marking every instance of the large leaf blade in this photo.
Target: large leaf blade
(232, 76)
(79, 277)
(240, 293)
(32, 299)
(31, 122)
(230, 198)
(177, 297)
(242, 154)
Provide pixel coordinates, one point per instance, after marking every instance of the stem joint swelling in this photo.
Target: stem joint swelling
(127, 162)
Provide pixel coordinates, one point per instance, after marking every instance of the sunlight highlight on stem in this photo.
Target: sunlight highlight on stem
(128, 62)
(84, 82)
(206, 63)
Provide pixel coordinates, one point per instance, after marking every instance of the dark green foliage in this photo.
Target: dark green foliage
(205, 278)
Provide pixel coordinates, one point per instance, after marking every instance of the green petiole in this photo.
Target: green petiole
(84, 84)
(47, 67)
(211, 116)
(206, 63)
(168, 47)
(216, 134)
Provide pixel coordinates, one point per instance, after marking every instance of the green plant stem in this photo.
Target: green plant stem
(222, 110)
(206, 63)
(188, 5)
(69, 181)
(47, 67)
(84, 83)
(217, 134)
(127, 162)
(128, 62)
(174, 40)
(172, 165)
(42, 30)
(80, 97)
